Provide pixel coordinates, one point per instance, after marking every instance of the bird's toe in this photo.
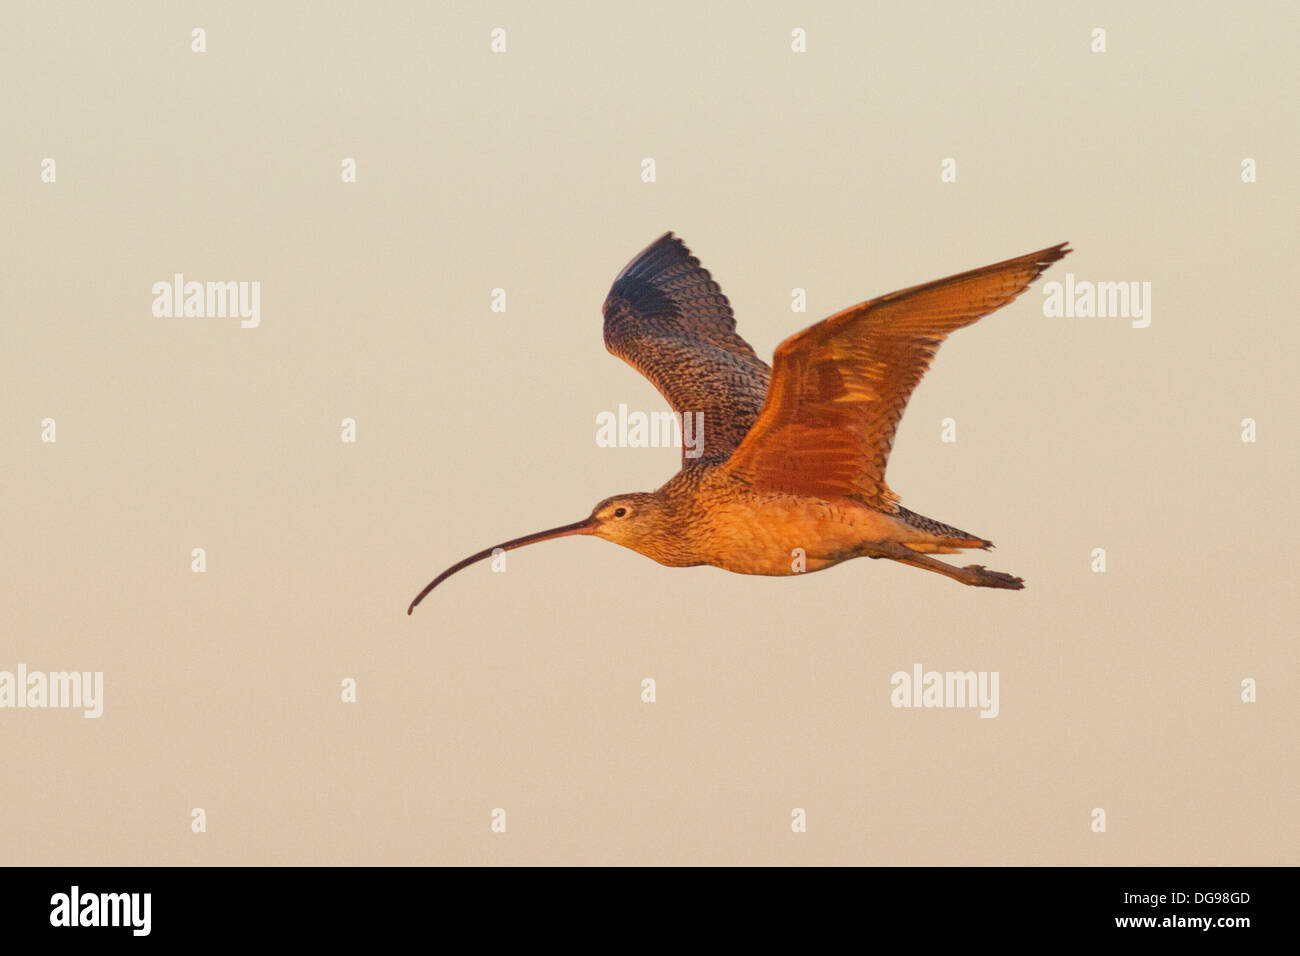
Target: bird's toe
(985, 578)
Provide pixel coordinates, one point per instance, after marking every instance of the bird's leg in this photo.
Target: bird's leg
(976, 575)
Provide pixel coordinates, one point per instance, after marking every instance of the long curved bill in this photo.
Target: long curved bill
(578, 527)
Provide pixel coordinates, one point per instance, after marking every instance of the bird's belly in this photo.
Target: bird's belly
(786, 534)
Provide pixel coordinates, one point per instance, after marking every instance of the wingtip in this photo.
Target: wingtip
(667, 248)
(1045, 257)
(672, 239)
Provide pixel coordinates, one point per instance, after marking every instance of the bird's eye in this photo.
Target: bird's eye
(619, 512)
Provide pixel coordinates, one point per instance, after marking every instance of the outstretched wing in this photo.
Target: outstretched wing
(839, 388)
(667, 318)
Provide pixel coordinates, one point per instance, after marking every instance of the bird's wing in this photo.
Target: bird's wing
(669, 320)
(839, 388)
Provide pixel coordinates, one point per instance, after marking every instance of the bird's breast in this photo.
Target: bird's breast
(785, 534)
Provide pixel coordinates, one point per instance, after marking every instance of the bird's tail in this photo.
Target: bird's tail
(935, 537)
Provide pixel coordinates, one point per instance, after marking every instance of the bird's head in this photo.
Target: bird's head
(629, 520)
(638, 521)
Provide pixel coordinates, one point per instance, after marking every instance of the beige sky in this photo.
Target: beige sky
(522, 690)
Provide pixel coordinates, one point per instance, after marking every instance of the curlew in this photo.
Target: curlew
(791, 477)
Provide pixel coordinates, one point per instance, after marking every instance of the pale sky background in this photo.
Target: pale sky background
(522, 690)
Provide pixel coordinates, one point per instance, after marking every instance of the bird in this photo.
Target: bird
(787, 473)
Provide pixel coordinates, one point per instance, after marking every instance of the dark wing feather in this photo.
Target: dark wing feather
(668, 319)
(839, 388)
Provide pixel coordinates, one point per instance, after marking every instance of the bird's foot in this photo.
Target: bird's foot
(982, 577)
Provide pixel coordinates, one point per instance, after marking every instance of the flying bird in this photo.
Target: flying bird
(791, 474)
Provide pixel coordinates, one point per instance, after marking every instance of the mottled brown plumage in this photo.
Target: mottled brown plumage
(668, 319)
(792, 475)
